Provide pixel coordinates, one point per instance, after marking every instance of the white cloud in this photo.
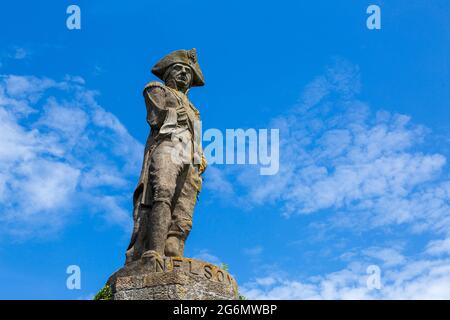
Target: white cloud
(388, 256)
(347, 164)
(278, 289)
(266, 281)
(111, 205)
(254, 251)
(29, 88)
(60, 151)
(363, 171)
(67, 120)
(420, 279)
(439, 247)
(20, 53)
(205, 255)
(14, 53)
(339, 156)
(217, 182)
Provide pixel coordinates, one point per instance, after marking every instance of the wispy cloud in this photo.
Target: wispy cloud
(20, 53)
(337, 154)
(60, 152)
(207, 256)
(387, 256)
(359, 169)
(253, 251)
(424, 278)
(439, 247)
(14, 53)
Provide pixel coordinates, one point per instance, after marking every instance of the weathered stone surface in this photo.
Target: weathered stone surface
(166, 194)
(172, 278)
(172, 172)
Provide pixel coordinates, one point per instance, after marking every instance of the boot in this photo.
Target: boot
(173, 246)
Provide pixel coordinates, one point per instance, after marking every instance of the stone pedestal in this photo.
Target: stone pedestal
(172, 278)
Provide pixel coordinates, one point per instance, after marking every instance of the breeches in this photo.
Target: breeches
(175, 186)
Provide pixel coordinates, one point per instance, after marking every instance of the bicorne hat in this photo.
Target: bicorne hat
(187, 57)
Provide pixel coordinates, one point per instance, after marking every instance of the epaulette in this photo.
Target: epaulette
(153, 84)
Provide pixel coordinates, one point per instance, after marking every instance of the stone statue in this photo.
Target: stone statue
(170, 179)
(164, 199)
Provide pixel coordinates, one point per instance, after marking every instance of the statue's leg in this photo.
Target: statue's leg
(181, 223)
(134, 250)
(140, 216)
(163, 179)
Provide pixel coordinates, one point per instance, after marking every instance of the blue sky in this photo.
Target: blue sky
(364, 141)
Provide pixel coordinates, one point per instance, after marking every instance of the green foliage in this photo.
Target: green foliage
(104, 294)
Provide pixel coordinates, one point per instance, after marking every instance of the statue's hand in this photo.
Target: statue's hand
(203, 165)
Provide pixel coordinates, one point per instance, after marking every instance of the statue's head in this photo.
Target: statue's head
(180, 67)
(180, 74)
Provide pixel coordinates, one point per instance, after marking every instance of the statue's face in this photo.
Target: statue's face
(182, 74)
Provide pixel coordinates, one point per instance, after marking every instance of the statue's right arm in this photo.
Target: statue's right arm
(155, 104)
